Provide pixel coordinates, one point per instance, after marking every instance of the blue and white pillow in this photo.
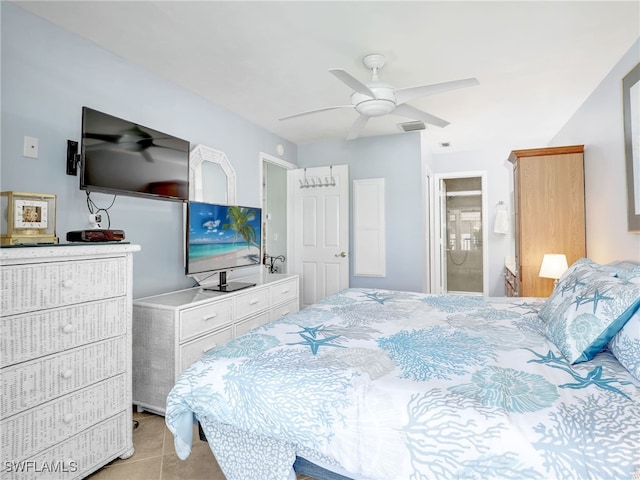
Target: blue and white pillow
(625, 345)
(631, 275)
(581, 273)
(589, 311)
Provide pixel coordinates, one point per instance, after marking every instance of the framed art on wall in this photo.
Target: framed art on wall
(631, 112)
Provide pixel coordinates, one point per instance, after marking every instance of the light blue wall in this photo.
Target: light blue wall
(47, 76)
(396, 158)
(598, 125)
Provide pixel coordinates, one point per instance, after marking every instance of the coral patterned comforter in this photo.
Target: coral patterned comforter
(378, 384)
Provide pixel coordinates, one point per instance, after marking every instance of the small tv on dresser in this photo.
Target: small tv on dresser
(220, 238)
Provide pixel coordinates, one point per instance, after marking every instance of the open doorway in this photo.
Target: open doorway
(274, 208)
(462, 241)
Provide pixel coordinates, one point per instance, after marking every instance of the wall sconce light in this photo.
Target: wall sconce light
(553, 266)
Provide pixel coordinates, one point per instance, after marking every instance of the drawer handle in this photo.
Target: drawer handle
(67, 283)
(285, 290)
(284, 313)
(210, 317)
(254, 301)
(66, 374)
(68, 328)
(205, 350)
(68, 418)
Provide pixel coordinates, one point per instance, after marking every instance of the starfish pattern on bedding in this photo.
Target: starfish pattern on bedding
(313, 331)
(597, 296)
(594, 377)
(376, 297)
(528, 307)
(579, 301)
(315, 343)
(572, 286)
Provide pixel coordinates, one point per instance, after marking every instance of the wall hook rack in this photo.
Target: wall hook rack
(312, 182)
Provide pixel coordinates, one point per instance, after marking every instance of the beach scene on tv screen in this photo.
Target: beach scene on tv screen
(223, 237)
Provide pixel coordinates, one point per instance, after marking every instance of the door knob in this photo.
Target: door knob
(341, 254)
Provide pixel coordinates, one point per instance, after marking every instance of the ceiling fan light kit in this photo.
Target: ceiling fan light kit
(372, 107)
(376, 98)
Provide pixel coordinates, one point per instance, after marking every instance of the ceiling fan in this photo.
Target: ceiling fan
(377, 98)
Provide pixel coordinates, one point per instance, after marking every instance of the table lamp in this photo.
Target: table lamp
(553, 266)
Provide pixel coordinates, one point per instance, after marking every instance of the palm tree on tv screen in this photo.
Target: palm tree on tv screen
(239, 221)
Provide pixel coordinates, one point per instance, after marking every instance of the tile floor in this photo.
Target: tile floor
(155, 458)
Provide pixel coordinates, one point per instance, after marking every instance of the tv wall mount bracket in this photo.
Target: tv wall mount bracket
(73, 157)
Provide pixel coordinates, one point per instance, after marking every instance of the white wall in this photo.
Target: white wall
(598, 124)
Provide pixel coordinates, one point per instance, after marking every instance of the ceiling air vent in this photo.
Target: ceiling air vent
(412, 126)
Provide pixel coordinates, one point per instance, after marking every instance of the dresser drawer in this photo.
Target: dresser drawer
(32, 287)
(31, 383)
(30, 432)
(192, 351)
(78, 456)
(252, 322)
(27, 336)
(195, 321)
(252, 302)
(284, 310)
(283, 292)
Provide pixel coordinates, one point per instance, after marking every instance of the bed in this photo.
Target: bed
(374, 384)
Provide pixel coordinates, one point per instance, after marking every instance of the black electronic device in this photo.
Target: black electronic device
(220, 238)
(95, 235)
(124, 158)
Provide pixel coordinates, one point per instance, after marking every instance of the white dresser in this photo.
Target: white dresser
(173, 330)
(65, 409)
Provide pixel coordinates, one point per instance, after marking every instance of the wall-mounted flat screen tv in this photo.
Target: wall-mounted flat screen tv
(122, 157)
(220, 238)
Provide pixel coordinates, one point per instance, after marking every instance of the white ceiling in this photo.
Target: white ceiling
(536, 61)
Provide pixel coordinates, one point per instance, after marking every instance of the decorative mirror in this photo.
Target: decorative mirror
(212, 179)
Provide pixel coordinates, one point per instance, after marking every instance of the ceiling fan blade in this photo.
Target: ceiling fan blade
(357, 127)
(412, 112)
(404, 95)
(315, 111)
(352, 82)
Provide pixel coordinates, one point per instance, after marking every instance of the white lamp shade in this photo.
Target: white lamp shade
(553, 265)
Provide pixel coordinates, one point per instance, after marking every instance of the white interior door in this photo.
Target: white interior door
(319, 237)
(462, 239)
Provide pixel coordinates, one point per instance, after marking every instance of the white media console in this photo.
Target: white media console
(172, 330)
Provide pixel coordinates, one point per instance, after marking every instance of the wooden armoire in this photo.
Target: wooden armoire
(549, 212)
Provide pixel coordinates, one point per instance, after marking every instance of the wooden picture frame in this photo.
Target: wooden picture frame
(631, 113)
